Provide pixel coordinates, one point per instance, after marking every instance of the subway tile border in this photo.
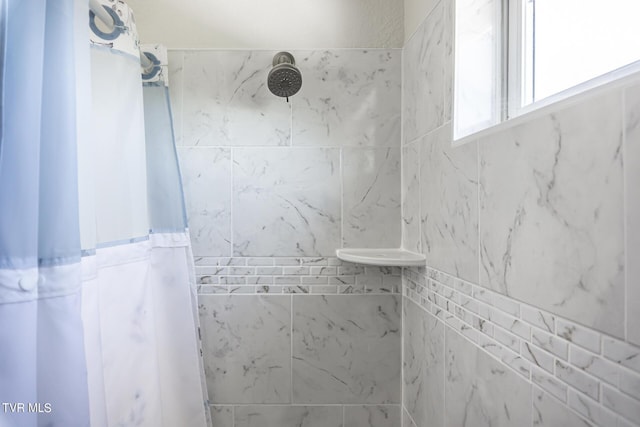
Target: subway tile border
(293, 275)
(593, 374)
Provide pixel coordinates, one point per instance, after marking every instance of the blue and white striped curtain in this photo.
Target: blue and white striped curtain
(97, 305)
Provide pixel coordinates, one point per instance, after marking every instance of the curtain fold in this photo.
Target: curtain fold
(172, 269)
(43, 376)
(97, 299)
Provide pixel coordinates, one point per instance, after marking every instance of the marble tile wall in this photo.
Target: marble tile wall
(472, 354)
(317, 337)
(286, 201)
(291, 335)
(532, 240)
(266, 177)
(291, 341)
(552, 234)
(300, 359)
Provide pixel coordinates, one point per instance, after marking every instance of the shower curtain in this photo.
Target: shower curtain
(97, 294)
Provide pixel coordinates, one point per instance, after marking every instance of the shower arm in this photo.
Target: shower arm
(107, 20)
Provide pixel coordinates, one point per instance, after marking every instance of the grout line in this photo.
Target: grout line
(402, 355)
(342, 213)
(231, 207)
(444, 371)
(532, 388)
(625, 213)
(403, 196)
(478, 189)
(421, 247)
(291, 351)
(402, 159)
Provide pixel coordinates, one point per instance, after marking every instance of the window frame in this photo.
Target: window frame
(514, 72)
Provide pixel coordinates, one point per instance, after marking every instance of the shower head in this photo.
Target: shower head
(284, 78)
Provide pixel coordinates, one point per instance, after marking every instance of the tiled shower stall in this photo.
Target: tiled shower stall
(526, 311)
(291, 334)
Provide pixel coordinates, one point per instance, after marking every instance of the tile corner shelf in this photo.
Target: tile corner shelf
(381, 257)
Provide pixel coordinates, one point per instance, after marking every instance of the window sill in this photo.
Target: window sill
(617, 79)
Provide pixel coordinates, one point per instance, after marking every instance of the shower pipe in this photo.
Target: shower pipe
(107, 20)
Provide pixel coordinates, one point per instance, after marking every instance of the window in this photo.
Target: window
(512, 56)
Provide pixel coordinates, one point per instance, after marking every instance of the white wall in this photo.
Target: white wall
(270, 24)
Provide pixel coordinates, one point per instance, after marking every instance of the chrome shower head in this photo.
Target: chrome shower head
(284, 79)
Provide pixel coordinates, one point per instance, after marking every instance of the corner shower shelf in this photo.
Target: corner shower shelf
(381, 257)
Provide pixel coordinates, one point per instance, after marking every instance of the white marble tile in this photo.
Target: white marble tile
(511, 324)
(222, 416)
(548, 412)
(621, 403)
(632, 198)
(551, 213)
(288, 416)
(411, 197)
(372, 416)
(577, 379)
(507, 339)
(549, 383)
(206, 179)
(480, 391)
(579, 335)
(247, 348)
(536, 317)
(630, 384)
(590, 409)
(623, 353)
(371, 197)
(550, 343)
(537, 356)
(348, 97)
(424, 77)
(449, 204)
(423, 366)
(226, 100)
(595, 365)
(346, 349)
(378, 284)
(176, 81)
(286, 201)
